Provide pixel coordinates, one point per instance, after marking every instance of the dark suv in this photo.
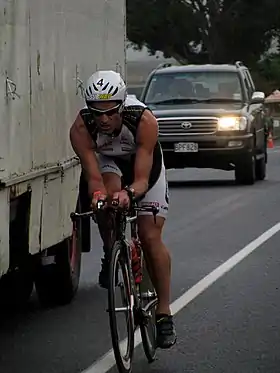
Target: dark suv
(210, 116)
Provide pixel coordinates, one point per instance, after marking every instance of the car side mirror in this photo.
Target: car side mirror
(258, 97)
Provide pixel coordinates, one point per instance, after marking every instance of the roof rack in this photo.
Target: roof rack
(164, 65)
(239, 64)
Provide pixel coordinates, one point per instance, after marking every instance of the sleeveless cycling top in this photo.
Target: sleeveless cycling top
(122, 147)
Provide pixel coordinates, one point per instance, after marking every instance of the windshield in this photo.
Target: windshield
(194, 86)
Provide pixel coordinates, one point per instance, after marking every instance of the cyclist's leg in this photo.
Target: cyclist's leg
(158, 257)
(111, 175)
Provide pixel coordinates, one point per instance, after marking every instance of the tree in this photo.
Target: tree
(152, 23)
(268, 73)
(204, 30)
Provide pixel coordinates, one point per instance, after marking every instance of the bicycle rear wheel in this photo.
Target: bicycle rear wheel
(148, 299)
(119, 263)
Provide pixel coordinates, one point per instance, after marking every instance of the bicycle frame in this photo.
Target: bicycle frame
(143, 293)
(122, 218)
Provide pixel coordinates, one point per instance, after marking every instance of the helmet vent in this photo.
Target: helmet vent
(115, 91)
(105, 87)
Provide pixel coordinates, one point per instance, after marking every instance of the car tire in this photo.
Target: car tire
(16, 288)
(261, 169)
(245, 172)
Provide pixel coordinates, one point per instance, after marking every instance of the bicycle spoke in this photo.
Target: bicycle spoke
(148, 300)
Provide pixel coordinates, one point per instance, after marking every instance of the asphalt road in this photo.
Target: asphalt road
(231, 326)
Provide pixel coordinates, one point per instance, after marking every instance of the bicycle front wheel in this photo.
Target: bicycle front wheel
(119, 266)
(149, 301)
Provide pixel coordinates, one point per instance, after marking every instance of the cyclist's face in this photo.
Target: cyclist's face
(106, 115)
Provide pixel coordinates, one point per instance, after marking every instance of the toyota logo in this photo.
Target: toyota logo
(186, 125)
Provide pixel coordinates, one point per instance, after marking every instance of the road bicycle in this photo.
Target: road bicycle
(138, 295)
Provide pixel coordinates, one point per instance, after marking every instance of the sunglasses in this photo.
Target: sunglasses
(109, 113)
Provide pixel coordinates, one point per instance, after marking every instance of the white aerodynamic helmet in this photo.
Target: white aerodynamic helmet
(105, 85)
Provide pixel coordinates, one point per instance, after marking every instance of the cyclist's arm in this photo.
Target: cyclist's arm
(147, 136)
(84, 146)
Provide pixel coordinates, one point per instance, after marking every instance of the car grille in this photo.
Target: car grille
(193, 126)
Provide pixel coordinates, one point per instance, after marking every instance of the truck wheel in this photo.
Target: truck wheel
(57, 283)
(261, 169)
(16, 288)
(245, 172)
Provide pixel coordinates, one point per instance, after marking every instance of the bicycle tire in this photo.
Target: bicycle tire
(118, 259)
(148, 326)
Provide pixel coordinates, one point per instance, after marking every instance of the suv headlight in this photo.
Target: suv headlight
(232, 123)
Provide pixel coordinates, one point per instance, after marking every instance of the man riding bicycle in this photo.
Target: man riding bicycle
(116, 140)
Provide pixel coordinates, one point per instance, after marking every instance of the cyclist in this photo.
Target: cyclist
(116, 140)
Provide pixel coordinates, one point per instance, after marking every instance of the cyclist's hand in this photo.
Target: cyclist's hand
(97, 197)
(122, 199)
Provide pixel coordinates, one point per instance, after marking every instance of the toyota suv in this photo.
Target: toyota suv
(210, 116)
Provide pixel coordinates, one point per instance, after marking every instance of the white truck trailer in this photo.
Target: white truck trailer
(47, 49)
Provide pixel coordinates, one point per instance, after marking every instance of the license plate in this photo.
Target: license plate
(186, 147)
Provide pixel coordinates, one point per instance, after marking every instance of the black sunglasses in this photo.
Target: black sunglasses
(109, 113)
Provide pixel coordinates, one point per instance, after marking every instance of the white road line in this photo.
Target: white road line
(107, 361)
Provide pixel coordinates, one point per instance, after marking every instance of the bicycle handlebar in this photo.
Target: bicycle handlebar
(100, 204)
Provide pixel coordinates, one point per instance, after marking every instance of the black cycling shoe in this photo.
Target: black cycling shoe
(166, 333)
(104, 273)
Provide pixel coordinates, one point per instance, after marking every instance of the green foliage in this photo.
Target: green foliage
(214, 31)
(161, 25)
(267, 73)
(270, 68)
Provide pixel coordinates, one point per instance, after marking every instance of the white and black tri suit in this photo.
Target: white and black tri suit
(117, 154)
